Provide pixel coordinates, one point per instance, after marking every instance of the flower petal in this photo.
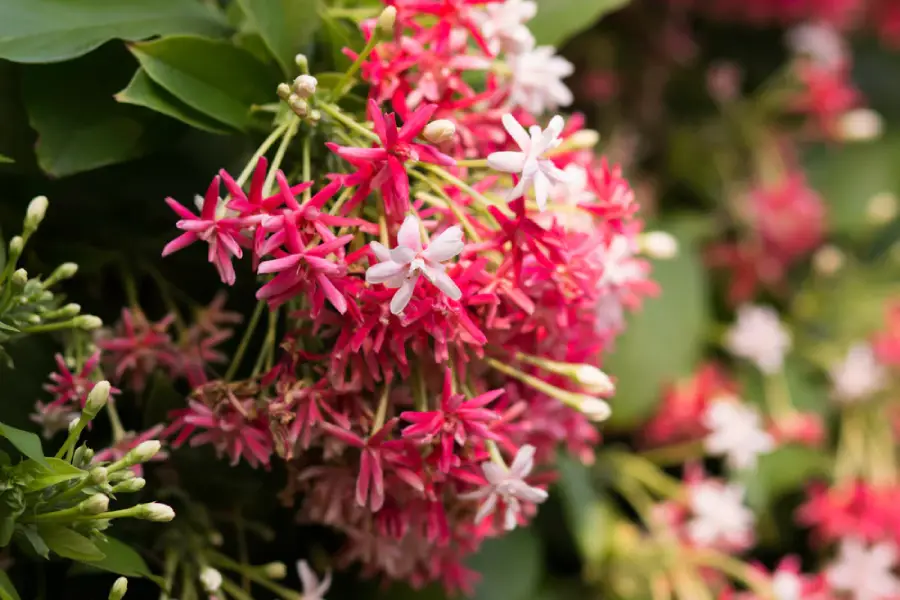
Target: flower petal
(445, 246)
(508, 162)
(524, 462)
(403, 295)
(384, 271)
(408, 235)
(516, 132)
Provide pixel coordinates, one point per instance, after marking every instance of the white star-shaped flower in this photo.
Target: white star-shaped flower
(503, 25)
(401, 267)
(532, 166)
(509, 486)
(865, 573)
(735, 431)
(719, 515)
(858, 376)
(313, 589)
(537, 80)
(759, 337)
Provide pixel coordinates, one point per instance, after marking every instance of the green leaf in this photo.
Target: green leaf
(121, 558)
(211, 76)
(510, 566)
(787, 469)
(589, 517)
(286, 27)
(25, 442)
(87, 130)
(70, 544)
(30, 535)
(141, 91)
(849, 175)
(42, 31)
(5, 159)
(559, 20)
(51, 472)
(664, 339)
(7, 589)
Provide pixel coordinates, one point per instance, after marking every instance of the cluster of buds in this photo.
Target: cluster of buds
(28, 304)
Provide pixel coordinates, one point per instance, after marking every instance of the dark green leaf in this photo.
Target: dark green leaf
(510, 566)
(211, 76)
(643, 362)
(5, 159)
(69, 543)
(28, 534)
(87, 130)
(25, 442)
(589, 517)
(335, 35)
(12, 505)
(44, 475)
(120, 558)
(558, 20)
(40, 31)
(7, 589)
(143, 92)
(286, 26)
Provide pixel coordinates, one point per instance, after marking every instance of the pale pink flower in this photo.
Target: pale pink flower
(313, 589)
(865, 573)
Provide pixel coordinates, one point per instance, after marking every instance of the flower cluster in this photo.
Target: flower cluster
(439, 303)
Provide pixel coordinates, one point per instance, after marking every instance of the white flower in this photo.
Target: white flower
(537, 76)
(509, 486)
(620, 265)
(401, 267)
(53, 419)
(719, 515)
(858, 376)
(736, 433)
(787, 586)
(865, 573)
(819, 42)
(759, 337)
(313, 589)
(211, 579)
(503, 25)
(530, 163)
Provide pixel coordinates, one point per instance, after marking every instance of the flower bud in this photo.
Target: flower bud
(83, 455)
(119, 588)
(33, 320)
(298, 105)
(595, 409)
(87, 322)
(97, 398)
(99, 475)
(860, 125)
(15, 247)
(64, 271)
(305, 86)
(592, 377)
(37, 208)
(440, 131)
(302, 62)
(155, 511)
(386, 21)
(129, 486)
(275, 570)
(96, 504)
(584, 139)
(20, 277)
(211, 579)
(881, 208)
(659, 245)
(828, 260)
(283, 90)
(68, 311)
(143, 451)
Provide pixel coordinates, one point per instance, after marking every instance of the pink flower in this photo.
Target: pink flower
(53, 418)
(232, 429)
(70, 386)
(137, 347)
(401, 267)
(130, 442)
(223, 234)
(457, 420)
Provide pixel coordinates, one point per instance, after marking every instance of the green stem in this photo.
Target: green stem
(335, 113)
(292, 127)
(351, 71)
(233, 589)
(248, 333)
(223, 561)
(381, 413)
(251, 164)
(114, 421)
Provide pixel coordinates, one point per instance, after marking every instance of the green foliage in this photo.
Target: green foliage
(211, 76)
(286, 27)
(120, 558)
(511, 566)
(68, 543)
(41, 31)
(783, 471)
(558, 21)
(665, 338)
(25, 442)
(7, 589)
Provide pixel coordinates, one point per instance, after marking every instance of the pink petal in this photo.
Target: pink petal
(403, 296)
(408, 235)
(179, 243)
(279, 264)
(445, 246)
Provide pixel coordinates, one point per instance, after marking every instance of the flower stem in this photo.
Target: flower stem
(223, 561)
(381, 413)
(352, 69)
(335, 113)
(289, 134)
(242, 348)
(263, 148)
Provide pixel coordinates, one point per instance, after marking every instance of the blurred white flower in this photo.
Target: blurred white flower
(503, 25)
(858, 376)
(537, 76)
(865, 573)
(313, 589)
(759, 337)
(787, 586)
(820, 42)
(720, 518)
(735, 432)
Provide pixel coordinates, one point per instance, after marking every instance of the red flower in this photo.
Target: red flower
(137, 347)
(69, 386)
(457, 420)
(231, 428)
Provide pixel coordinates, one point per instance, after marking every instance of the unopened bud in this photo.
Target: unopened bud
(83, 455)
(33, 320)
(860, 125)
(68, 311)
(20, 277)
(37, 208)
(283, 90)
(305, 86)
(440, 131)
(298, 105)
(882, 208)
(828, 260)
(584, 139)
(15, 247)
(64, 271)
(99, 475)
(659, 245)
(302, 62)
(595, 409)
(144, 451)
(386, 21)
(130, 486)
(275, 570)
(97, 398)
(595, 379)
(211, 579)
(96, 504)
(119, 588)
(156, 511)
(87, 322)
